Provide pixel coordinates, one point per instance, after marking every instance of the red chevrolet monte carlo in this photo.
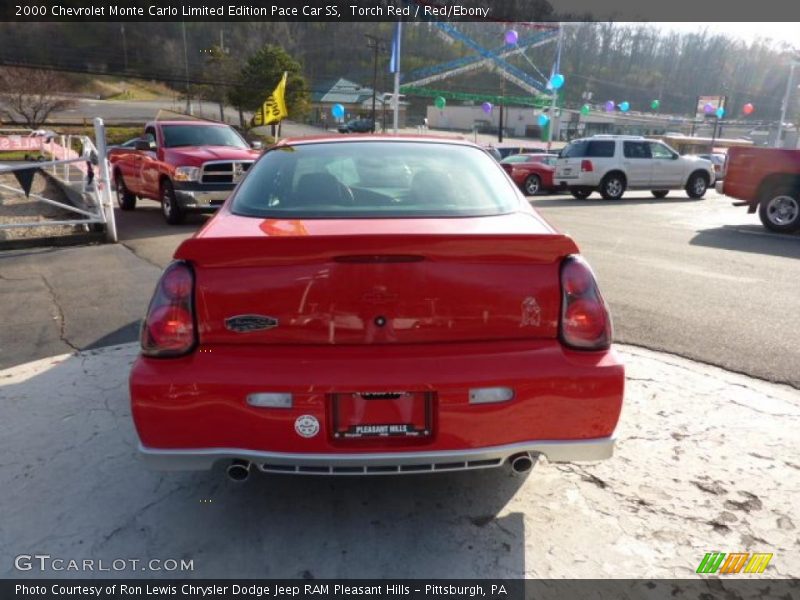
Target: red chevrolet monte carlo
(374, 305)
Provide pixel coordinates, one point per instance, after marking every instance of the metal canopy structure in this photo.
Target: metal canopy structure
(483, 58)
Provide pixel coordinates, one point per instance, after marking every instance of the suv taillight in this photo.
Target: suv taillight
(587, 166)
(169, 329)
(585, 320)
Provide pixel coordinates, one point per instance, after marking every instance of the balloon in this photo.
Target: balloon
(748, 108)
(609, 106)
(440, 103)
(708, 108)
(624, 106)
(486, 107)
(543, 120)
(720, 112)
(337, 110)
(556, 81)
(585, 109)
(511, 37)
(655, 104)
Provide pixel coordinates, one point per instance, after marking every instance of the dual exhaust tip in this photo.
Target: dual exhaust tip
(521, 464)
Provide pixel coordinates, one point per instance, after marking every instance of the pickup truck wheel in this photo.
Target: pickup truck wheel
(697, 185)
(532, 185)
(125, 199)
(660, 193)
(612, 187)
(580, 194)
(779, 209)
(169, 205)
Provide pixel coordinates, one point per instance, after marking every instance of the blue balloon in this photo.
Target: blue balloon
(556, 81)
(543, 120)
(337, 110)
(720, 112)
(624, 106)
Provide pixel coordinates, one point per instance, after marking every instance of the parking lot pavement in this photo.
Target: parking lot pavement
(706, 460)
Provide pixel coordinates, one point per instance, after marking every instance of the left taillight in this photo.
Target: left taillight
(169, 327)
(585, 319)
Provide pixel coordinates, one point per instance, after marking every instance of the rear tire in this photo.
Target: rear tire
(580, 194)
(613, 186)
(125, 199)
(173, 213)
(660, 193)
(532, 185)
(779, 209)
(697, 185)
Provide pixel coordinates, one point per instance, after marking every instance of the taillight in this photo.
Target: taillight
(169, 329)
(585, 320)
(587, 166)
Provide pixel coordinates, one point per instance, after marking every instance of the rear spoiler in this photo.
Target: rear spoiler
(254, 251)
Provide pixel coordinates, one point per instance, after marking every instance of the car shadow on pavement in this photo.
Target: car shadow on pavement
(595, 200)
(148, 222)
(749, 238)
(123, 335)
(73, 486)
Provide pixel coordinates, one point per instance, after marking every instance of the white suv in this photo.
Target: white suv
(611, 164)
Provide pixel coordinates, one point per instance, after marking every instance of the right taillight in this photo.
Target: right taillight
(585, 320)
(169, 328)
(587, 166)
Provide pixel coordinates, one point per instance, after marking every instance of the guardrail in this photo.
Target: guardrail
(96, 185)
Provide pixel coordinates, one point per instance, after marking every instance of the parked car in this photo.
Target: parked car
(188, 166)
(612, 164)
(506, 151)
(718, 160)
(767, 180)
(358, 126)
(324, 324)
(532, 172)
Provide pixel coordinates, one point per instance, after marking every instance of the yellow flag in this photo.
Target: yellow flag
(274, 108)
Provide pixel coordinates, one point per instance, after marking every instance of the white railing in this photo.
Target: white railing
(95, 185)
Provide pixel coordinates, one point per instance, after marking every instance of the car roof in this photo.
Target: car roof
(188, 122)
(371, 137)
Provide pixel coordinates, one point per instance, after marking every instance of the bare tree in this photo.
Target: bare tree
(31, 95)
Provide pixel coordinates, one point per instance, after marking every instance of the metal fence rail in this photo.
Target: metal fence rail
(96, 186)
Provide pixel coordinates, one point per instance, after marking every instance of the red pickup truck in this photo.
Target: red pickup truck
(188, 166)
(766, 179)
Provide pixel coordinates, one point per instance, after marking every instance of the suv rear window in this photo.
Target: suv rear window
(375, 179)
(589, 149)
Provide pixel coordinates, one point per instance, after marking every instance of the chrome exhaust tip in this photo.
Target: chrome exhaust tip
(238, 470)
(521, 463)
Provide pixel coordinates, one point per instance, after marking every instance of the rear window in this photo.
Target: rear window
(589, 149)
(375, 179)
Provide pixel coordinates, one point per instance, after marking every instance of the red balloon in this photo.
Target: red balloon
(748, 108)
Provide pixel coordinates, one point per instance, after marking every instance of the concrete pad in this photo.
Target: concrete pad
(707, 461)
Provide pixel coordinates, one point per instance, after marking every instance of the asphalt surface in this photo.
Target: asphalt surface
(701, 279)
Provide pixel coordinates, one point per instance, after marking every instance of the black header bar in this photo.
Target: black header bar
(407, 10)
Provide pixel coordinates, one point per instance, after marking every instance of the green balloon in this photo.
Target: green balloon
(440, 103)
(655, 104)
(585, 109)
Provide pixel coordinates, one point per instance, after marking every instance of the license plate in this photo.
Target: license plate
(381, 414)
(566, 172)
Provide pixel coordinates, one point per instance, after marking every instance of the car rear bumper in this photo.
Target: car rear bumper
(380, 463)
(193, 410)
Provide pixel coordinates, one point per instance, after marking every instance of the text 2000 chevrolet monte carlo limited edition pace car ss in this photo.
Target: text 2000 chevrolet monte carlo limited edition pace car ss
(376, 305)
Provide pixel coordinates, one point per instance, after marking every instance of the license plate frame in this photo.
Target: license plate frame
(379, 415)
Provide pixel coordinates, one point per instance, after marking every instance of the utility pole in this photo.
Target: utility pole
(186, 64)
(124, 45)
(785, 103)
(502, 101)
(375, 45)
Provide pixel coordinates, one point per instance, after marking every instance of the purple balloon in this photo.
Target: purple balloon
(511, 37)
(708, 108)
(486, 107)
(609, 106)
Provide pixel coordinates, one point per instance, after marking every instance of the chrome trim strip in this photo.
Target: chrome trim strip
(169, 459)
